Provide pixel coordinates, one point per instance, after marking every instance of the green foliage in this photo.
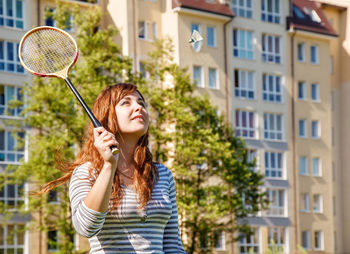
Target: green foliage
(209, 162)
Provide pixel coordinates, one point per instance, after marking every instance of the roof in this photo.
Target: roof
(204, 5)
(307, 16)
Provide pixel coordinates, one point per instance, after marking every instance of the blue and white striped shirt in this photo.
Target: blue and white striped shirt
(127, 229)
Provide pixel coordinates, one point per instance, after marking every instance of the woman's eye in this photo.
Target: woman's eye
(125, 103)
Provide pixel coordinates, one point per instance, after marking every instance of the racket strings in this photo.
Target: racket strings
(48, 51)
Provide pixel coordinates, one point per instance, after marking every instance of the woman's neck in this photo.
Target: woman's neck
(126, 155)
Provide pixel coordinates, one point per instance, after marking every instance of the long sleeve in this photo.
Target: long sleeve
(171, 241)
(86, 221)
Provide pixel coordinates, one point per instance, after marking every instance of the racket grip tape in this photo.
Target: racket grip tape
(114, 149)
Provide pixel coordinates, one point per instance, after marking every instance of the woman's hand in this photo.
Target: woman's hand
(103, 140)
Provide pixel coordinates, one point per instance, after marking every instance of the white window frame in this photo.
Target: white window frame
(193, 27)
(317, 134)
(6, 231)
(302, 122)
(142, 30)
(201, 83)
(276, 93)
(253, 243)
(6, 152)
(71, 20)
(302, 90)
(271, 55)
(277, 207)
(303, 166)
(17, 200)
(249, 128)
(317, 92)
(5, 111)
(301, 52)
(251, 155)
(221, 241)
(245, 51)
(244, 10)
(216, 80)
(145, 74)
(271, 123)
(274, 171)
(318, 240)
(154, 30)
(5, 18)
(305, 202)
(214, 45)
(305, 234)
(266, 14)
(5, 61)
(278, 233)
(244, 84)
(317, 203)
(316, 171)
(317, 56)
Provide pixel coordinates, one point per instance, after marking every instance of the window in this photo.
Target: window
(314, 54)
(252, 155)
(277, 203)
(219, 238)
(315, 129)
(318, 240)
(302, 90)
(50, 21)
(12, 238)
(243, 8)
(331, 65)
(9, 60)
(245, 124)
(302, 128)
(144, 73)
(305, 202)
(301, 52)
(196, 27)
(274, 165)
(244, 84)
(11, 13)
(316, 167)
(52, 197)
(318, 203)
(198, 76)
(10, 149)
(305, 241)
(273, 126)
(154, 30)
(11, 196)
(52, 240)
(272, 89)
(303, 169)
(271, 11)
(211, 36)
(7, 94)
(142, 30)
(243, 44)
(271, 49)
(276, 239)
(213, 78)
(249, 243)
(315, 92)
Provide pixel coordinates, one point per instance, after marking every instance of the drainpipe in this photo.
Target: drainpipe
(293, 129)
(226, 72)
(38, 12)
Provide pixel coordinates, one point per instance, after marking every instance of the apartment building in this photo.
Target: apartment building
(282, 83)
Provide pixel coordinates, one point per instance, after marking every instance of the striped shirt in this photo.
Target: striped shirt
(127, 229)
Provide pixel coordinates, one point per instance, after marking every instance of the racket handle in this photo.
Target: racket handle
(114, 149)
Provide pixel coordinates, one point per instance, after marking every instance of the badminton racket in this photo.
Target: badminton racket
(47, 51)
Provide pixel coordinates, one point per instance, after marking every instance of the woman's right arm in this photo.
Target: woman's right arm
(90, 204)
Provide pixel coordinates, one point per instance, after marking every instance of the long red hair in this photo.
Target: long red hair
(146, 173)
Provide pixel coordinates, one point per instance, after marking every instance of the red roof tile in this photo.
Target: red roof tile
(207, 6)
(307, 16)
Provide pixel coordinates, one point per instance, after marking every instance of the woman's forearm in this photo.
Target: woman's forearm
(99, 195)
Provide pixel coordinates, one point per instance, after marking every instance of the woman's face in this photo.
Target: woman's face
(132, 115)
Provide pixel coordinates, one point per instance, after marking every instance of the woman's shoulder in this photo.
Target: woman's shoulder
(82, 170)
(163, 171)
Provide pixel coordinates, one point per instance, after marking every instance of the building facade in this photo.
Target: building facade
(278, 72)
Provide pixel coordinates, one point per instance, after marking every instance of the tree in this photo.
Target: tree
(57, 121)
(215, 183)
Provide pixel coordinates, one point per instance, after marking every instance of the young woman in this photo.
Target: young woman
(122, 203)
